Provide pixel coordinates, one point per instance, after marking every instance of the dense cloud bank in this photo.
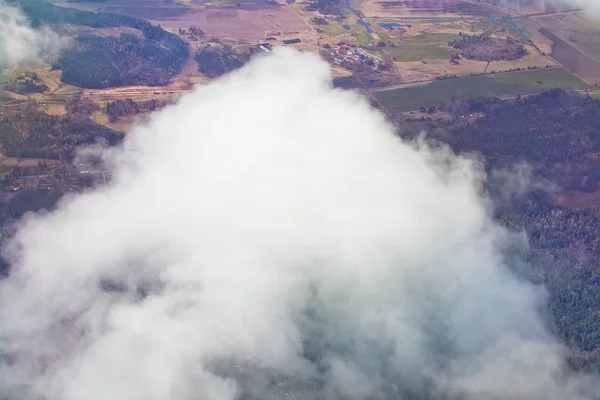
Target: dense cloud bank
(19, 42)
(270, 237)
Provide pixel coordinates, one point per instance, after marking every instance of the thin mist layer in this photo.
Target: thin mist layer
(270, 236)
(19, 42)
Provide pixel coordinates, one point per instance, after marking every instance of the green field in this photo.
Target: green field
(481, 24)
(430, 38)
(426, 46)
(334, 29)
(381, 33)
(359, 32)
(512, 84)
(413, 52)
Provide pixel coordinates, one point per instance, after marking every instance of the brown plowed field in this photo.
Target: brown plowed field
(574, 60)
(437, 7)
(241, 24)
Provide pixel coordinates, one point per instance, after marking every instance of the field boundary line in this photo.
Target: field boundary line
(426, 82)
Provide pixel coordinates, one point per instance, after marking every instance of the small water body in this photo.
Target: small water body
(388, 25)
(347, 27)
(344, 83)
(512, 23)
(367, 25)
(361, 21)
(494, 20)
(429, 18)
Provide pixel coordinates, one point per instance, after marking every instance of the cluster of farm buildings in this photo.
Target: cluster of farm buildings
(348, 56)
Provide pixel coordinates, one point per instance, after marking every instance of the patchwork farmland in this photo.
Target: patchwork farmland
(584, 66)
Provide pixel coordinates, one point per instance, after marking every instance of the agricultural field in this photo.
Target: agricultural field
(123, 125)
(500, 85)
(419, 46)
(576, 28)
(249, 25)
(4, 98)
(533, 58)
(146, 9)
(571, 38)
(531, 27)
(416, 52)
(418, 40)
(412, 36)
(429, 70)
(421, 52)
(51, 99)
(349, 29)
(428, 8)
(241, 20)
(582, 65)
(7, 164)
(137, 93)
(7, 98)
(158, 9)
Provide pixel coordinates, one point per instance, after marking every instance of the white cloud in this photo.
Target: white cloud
(19, 42)
(592, 6)
(270, 235)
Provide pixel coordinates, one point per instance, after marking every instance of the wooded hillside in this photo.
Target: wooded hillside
(32, 133)
(557, 133)
(104, 61)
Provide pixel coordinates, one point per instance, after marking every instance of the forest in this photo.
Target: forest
(42, 12)
(214, 61)
(327, 7)
(485, 48)
(107, 61)
(32, 133)
(99, 61)
(557, 133)
(127, 107)
(564, 255)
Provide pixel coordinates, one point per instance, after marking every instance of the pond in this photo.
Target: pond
(515, 27)
(367, 25)
(388, 25)
(344, 83)
(429, 18)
